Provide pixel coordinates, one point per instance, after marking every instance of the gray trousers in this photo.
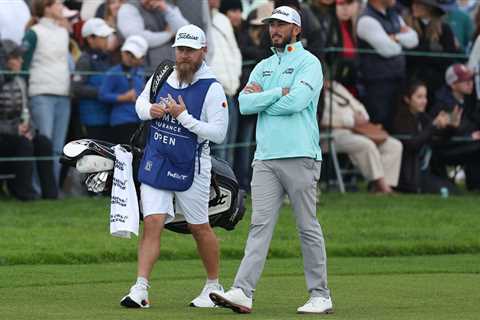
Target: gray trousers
(298, 178)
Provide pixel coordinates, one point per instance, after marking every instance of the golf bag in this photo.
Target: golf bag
(96, 159)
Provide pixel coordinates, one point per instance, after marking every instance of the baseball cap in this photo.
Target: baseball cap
(10, 48)
(68, 13)
(96, 27)
(136, 45)
(190, 36)
(286, 14)
(458, 73)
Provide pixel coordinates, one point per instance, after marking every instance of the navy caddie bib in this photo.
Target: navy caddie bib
(169, 158)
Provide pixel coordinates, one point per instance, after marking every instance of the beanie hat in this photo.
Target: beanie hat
(227, 5)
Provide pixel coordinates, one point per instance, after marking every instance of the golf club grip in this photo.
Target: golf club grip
(163, 71)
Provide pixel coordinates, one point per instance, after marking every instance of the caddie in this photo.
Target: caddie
(190, 111)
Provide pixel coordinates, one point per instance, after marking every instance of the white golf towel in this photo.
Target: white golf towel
(124, 213)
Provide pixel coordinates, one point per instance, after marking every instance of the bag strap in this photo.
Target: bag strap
(160, 76)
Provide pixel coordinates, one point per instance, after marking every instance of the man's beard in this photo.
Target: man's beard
(186, 71)
(283, 44)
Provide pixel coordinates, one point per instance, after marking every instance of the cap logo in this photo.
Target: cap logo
(185, 35)
(280, 12)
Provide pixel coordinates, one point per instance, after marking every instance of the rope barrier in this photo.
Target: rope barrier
(405, 53)
(229, 146)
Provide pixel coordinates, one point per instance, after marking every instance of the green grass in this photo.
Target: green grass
(428, 287)
(76, 230)
(404, 257)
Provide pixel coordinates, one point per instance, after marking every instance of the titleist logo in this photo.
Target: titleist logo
(185, 35)
(280, 12)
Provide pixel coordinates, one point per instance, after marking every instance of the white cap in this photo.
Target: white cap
(68, 13)
(286, 14)
(136, 45)
(190, 36)
(96, 27)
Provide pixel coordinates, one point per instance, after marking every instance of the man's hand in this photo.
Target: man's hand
(24, 130)
(393, 37)
(476, 135)
(404, 29)
(252, 88)
(159, 5)
(442, 120)
(456, 117)
(174, 108)
(157, 111)
(129, 96)
(359, 119)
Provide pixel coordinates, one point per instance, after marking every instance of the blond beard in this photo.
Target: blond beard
(186, 71)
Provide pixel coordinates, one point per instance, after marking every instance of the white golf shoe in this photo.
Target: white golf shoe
(136, 298)
(203, 300)
(318, 305)
(234, 299)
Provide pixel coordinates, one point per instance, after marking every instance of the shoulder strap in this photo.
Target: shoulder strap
(162, 72)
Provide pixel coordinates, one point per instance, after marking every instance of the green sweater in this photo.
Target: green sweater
(287, 125)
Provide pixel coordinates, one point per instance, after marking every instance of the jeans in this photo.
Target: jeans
(223, 151)
(51, 115)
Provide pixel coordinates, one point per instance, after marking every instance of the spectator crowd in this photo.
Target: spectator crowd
(400, 99)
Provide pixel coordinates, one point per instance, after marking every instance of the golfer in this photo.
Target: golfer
(283, 90)
(191, 110)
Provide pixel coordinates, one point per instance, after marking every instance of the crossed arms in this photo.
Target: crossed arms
(278, 101)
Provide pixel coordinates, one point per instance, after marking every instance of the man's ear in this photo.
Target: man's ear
(296, 31)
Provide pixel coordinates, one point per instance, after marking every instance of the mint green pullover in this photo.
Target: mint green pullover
(287, 125)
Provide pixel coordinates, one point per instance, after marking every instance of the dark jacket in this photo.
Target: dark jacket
(326, 34)
(431, 70)
(251, 53)
(345, 68)
(446, 101)
(114, 84)
(420, 129)
(374, 67)
(86, 88)
(13, 105)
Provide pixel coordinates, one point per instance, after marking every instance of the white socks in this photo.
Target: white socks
(143, 282)
(212, 281)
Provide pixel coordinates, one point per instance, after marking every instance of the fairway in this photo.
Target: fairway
(403, 257)
(438, 287)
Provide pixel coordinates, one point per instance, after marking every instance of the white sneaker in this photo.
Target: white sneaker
(137, 298)
(317, 305)
(203, 300)
(234, 299)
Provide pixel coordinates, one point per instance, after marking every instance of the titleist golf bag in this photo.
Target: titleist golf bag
(96, 159)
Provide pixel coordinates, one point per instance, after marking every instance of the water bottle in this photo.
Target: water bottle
(444, 192)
